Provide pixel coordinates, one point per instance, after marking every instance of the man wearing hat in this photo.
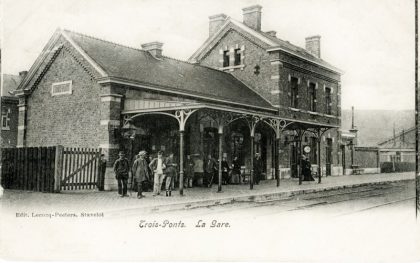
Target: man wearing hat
(121, 169)
(140, 171)
(258, 168)
(158, 167)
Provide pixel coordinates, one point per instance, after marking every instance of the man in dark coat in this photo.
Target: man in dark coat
(121, 169)
(225, 171)
(140, 171)
(236, 171)
(170, 174)
(258, 168)
(210, 170)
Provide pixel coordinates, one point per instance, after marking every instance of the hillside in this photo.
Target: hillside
(377, 125)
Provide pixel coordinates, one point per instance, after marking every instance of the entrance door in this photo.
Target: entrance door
(328, 160)
(210, 142)
(260, 146)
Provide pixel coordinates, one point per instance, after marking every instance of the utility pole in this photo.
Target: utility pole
(394, 139)
(417, 106)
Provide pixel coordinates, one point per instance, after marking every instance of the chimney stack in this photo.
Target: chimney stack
(313, 45)
(252, 17)
(154, 48)
(215, 23)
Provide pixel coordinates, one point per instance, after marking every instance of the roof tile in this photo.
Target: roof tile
(137, 65)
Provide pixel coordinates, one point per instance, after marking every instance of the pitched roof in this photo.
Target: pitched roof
(140, 66)
(272, 42)
(397, 142)
(10, 83)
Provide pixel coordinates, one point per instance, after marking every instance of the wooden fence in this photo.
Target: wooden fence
(51, 169)
(30, 168)
(81, 169)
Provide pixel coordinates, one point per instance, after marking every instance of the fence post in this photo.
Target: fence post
(58, 168)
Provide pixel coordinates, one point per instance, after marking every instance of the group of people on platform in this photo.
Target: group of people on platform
(197, 172)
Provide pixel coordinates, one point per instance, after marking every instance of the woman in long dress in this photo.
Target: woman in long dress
(306, 169)
(236, 171)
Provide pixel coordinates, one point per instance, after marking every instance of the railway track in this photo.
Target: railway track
(367, 197)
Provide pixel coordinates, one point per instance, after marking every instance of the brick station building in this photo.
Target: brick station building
(9, 110)
(242, 85)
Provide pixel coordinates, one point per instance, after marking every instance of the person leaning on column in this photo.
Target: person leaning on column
(121, 169)
(140, 171)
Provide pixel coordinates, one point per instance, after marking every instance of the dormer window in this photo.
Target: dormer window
(237, 53)
(226, 58)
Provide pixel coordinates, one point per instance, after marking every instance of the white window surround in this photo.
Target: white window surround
(68, 88)
(331, 89)
(231, 52)
(5, 120)
(233, 67)
(314, 113)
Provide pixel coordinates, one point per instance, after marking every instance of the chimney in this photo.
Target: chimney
(215, 23)
(154, 48)
(22, 74)
(313, 45)
(272, 33)
(252, 16)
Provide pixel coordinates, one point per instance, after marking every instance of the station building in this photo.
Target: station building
(243, 91)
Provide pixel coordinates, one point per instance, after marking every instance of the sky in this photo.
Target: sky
(372, 41)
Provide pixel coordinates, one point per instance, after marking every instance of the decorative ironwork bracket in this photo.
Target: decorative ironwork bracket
(180, 115)
(277, 125)
(317, 132)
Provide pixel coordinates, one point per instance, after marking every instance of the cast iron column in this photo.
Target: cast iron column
(251, 175)
(276, 161)
(181, 162)
(300, 159)
(219, 189)
(318, 145)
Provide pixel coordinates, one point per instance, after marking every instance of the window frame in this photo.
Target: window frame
(328, 100)
(226, 58)
(70, 91)
(312, 96)
(5, 119)
(294, 92)
(237, 57)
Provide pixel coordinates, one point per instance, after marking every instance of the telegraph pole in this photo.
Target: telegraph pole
(417, 106)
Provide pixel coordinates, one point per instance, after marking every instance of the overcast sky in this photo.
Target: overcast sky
(372, 41)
